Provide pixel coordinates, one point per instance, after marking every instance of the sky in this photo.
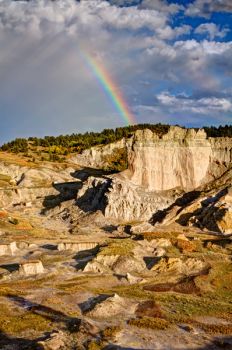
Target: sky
(171, 61)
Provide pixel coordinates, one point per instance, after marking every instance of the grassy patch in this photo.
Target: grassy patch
(149, 322)
(110, 332)
(14, 324)
(120, 247)
(215, 328)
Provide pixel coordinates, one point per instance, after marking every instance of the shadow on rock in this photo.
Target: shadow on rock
(10, 267)
(67, 191)
(84, 257)
(90, 304)
(182, 202)
(9, 342)
(94, 198)
(86, 172)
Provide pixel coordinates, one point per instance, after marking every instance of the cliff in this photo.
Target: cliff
(182, 158)
(161, 169)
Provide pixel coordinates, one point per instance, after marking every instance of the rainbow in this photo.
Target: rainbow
(110, 87)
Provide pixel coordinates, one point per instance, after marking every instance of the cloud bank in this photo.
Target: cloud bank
(167, 69)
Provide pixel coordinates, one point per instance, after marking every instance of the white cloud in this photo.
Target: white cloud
(162, 6)
(206, 105)
(45, 81)
(211, 30)
(204, 8)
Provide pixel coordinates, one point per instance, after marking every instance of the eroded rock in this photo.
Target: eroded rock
(114, 306)
(31, 268)
(8, 248)
(77, 247)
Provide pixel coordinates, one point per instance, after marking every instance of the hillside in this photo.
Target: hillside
(126, 245)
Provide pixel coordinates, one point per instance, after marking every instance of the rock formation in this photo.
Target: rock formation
(8, 248)
(77, 247)
(31, 268)
(96, 157)
(182, 158)
(113, 306)
(160, 169)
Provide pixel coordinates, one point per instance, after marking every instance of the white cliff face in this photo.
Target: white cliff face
(160, 168)
(182, 158)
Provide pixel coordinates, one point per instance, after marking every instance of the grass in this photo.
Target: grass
(20, 287)
(110, 332)
(149, 322)
(225, 329)
(13, 323)
(16, 159)
(121, 247)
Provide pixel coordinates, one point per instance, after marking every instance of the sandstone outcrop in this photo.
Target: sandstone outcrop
(182, 158)
(32, 185)
(77, 247)
(8, 248)
(210, 211)
(31, 268)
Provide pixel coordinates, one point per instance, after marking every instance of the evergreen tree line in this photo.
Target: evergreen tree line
(64, 144)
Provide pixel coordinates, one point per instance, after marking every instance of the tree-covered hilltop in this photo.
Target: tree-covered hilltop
(53, 148)
(65, 144)
(221, 131)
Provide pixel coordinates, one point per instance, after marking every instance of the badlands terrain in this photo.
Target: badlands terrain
(138, 259)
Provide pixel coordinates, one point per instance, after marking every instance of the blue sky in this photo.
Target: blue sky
(171, 60)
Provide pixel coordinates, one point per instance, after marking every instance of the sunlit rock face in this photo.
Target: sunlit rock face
(160, 169)
(31, 268)
(182, 158)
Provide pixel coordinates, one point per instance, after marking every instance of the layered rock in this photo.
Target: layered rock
(31, 268)
(160, 168)
(182, 158)
(8, 248)
(77, 247)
